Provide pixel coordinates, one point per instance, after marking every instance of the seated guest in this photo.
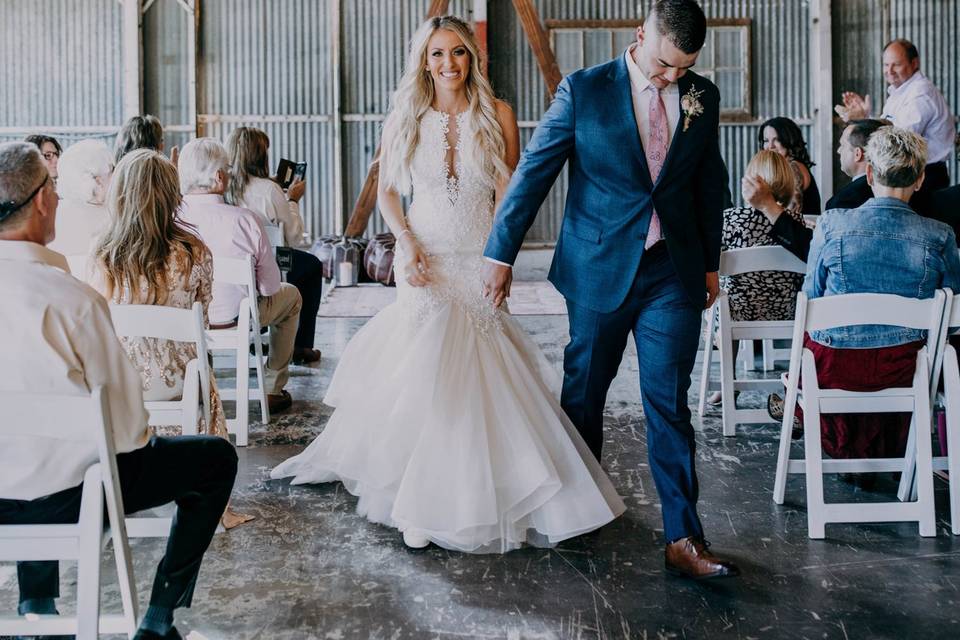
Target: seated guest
(234, 232)
(59, 338)
(942, 205)
(50, 149)
(784, 136)
(139, 132)
(145, 257)
(882, 246)
(762, 295)
(853, 162)
(85, 171)
(250, 187)
(786, 230)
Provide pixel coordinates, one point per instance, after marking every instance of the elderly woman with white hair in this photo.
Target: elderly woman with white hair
(883, 246)
(235, 232)
(84, 171)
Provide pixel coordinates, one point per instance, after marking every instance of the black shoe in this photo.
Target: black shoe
(143, 634)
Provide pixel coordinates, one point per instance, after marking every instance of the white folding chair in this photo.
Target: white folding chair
(732, 263)
(945, 363)
(844, 311)
(181, 325)
(82, 541)
(239, 271)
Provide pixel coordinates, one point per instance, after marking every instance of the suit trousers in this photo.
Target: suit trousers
(280, 312)
(666, 329)
(195, 472)
(307, 276)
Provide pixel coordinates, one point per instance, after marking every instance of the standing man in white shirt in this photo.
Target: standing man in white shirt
(914, 103)
(58, 338)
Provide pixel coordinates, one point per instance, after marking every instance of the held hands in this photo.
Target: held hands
(497, 279)
(713, 288)
(419, 272)
(296, 190)
(854, 107)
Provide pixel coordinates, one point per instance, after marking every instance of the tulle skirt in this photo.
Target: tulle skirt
(446, 426)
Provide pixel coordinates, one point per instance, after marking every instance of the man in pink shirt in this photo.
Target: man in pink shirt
(234, 232)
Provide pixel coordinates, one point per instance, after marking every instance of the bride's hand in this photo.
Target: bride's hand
(418, 271)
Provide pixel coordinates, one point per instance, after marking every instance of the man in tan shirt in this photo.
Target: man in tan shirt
(58, 338)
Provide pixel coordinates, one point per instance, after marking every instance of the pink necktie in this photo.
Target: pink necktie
(656, 151)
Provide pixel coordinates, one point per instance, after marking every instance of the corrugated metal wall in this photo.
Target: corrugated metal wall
(54, 74)
(270, 63)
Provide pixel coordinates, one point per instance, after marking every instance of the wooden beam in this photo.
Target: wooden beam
(367, 200)
(539, 43)
(132, 59)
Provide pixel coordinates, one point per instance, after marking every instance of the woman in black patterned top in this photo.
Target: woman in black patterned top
(762, 295)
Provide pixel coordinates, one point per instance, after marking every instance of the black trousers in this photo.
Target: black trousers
(195, 472)
(307, 276)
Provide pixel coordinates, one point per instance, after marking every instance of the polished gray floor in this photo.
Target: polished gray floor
(309, 567)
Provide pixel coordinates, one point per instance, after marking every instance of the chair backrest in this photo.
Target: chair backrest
(772, 258)
(89, 415)
(239, 271)
(167, 323)
(951, 320)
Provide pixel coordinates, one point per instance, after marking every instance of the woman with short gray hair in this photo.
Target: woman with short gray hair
(85, 171)
(886, 248)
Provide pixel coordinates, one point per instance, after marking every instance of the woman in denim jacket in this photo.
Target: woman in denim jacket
(882, 246)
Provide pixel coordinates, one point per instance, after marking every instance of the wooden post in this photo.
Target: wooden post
(539, 43)
(367, 199)
(821, 70)
(132, 59)
(480, 32)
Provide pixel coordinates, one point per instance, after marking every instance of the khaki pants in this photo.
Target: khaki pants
(280, 312)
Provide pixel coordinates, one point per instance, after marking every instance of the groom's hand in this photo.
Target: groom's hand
(713, 288)
(496, 282)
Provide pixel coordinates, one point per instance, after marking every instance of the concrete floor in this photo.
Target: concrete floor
(309, 567)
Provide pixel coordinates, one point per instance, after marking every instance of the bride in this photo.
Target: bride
(444, 425)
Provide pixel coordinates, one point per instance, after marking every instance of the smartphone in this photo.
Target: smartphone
(300, 173)
(285, 172)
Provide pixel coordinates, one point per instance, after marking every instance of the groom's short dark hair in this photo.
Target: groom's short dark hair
(682, 22)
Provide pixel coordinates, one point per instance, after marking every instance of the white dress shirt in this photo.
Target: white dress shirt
(57, 337)
(265, 197)
(641, 91)
(919, 106)
(231, 232)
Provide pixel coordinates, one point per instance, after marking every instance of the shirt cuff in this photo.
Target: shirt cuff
(498, 262)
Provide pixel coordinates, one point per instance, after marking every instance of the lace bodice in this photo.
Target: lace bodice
(452, 211)
(450, 215)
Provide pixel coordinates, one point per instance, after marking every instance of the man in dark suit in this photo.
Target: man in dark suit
(639, 247)
(853, 162)
(942, 205)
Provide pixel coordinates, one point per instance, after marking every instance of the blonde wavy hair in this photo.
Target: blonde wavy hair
(776, 172)
(414, 96)
(143, 201)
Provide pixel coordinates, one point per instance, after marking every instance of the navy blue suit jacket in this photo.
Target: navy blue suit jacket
(611, 197)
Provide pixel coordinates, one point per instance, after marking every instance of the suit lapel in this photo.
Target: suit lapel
(626, 119)
(683, 85)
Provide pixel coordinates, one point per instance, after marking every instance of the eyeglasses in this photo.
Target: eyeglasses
(50, 155)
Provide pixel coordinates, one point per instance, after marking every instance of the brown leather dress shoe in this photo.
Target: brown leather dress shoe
(278, 402)
(691, 558)
(302, 355)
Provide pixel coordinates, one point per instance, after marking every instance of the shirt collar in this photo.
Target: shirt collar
(637, 79)
(892, 91)
(23, 251)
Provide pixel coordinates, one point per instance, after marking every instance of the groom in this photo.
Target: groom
(639, 247)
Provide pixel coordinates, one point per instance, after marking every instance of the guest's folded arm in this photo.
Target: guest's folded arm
(793, 235)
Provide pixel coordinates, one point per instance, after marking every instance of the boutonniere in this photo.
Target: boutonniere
(691, 106)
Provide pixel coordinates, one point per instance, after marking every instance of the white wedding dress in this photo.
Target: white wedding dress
(444, 424)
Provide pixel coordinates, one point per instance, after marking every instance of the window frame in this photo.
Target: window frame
(741, 114)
